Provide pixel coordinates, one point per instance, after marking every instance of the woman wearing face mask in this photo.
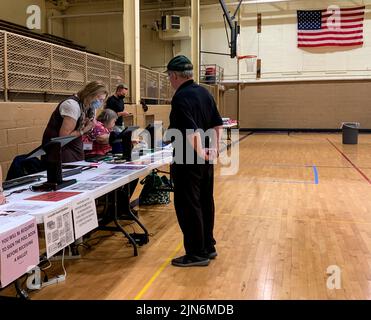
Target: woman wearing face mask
(74, 116)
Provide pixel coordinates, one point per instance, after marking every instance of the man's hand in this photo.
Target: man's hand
(135, 141)
(211, 154)
(123, 114)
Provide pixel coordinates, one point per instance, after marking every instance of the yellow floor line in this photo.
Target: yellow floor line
(158, 272)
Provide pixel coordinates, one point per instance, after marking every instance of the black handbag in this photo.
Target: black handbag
(156, 190)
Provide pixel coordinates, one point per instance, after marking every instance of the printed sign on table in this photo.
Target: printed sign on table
(58, 230)
(19, 246)
(85, 216)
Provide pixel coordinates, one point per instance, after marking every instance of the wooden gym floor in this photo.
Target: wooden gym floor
(299, 204)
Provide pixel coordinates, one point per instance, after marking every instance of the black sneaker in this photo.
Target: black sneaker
(211, 252)
(190, 261)
(212, 255)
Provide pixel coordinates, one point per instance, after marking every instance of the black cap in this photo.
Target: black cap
(179, 63)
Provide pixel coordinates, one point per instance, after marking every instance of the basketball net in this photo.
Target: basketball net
(249, 62)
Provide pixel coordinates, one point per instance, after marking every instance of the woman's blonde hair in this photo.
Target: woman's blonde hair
(91, 90)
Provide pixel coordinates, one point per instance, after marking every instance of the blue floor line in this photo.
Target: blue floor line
(316, 179)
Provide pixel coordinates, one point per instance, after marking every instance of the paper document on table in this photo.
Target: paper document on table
(58, 228)
(86, 186)
(105, 178)
(85, 216)
(129, 167)
(117, 173)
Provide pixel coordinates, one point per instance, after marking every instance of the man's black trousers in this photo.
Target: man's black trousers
(194, 206)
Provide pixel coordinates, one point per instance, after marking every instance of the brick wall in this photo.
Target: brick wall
(22, 125)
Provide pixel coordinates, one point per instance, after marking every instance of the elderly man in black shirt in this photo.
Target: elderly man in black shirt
(193, 108)
(116, 103)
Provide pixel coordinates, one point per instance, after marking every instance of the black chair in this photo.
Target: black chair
(22, 166)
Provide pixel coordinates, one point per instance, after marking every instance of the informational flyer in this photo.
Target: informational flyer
(19, 246)
(53, 196)
(23, 207)
(104, 178)
(7, 215)
(58, 228)
(117, 173)
(140, 162)
(156, 157)
(85, 186)
(85, 216)
(129, 167)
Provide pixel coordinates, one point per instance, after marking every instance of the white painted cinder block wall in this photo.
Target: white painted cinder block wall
(277, 44)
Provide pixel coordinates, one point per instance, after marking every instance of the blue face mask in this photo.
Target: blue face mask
(95, 104)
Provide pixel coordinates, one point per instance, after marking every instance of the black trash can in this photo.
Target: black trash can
(350, 132)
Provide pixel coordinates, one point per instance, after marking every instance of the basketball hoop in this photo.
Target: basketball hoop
(250, 61)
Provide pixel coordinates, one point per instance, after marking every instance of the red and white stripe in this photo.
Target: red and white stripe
(344, 29)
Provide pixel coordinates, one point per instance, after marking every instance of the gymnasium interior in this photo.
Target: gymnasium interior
(292, 206)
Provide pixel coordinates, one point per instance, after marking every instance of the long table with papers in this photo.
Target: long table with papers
(66, 215)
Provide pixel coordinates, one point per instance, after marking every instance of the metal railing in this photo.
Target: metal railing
(211, 73)
(2, 70)
(31, 65)
(155, 86)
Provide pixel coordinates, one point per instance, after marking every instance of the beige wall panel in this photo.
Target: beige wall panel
(230, 107)
(154, 52)
(160, 113)
(101, 34)
(309, 105)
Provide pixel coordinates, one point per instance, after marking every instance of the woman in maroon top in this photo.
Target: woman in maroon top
(74, 116)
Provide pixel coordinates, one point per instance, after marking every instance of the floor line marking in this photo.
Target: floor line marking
(158, 272)
(315, 171)
(350, 161)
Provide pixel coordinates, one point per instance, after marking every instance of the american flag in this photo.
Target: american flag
(331, 27)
